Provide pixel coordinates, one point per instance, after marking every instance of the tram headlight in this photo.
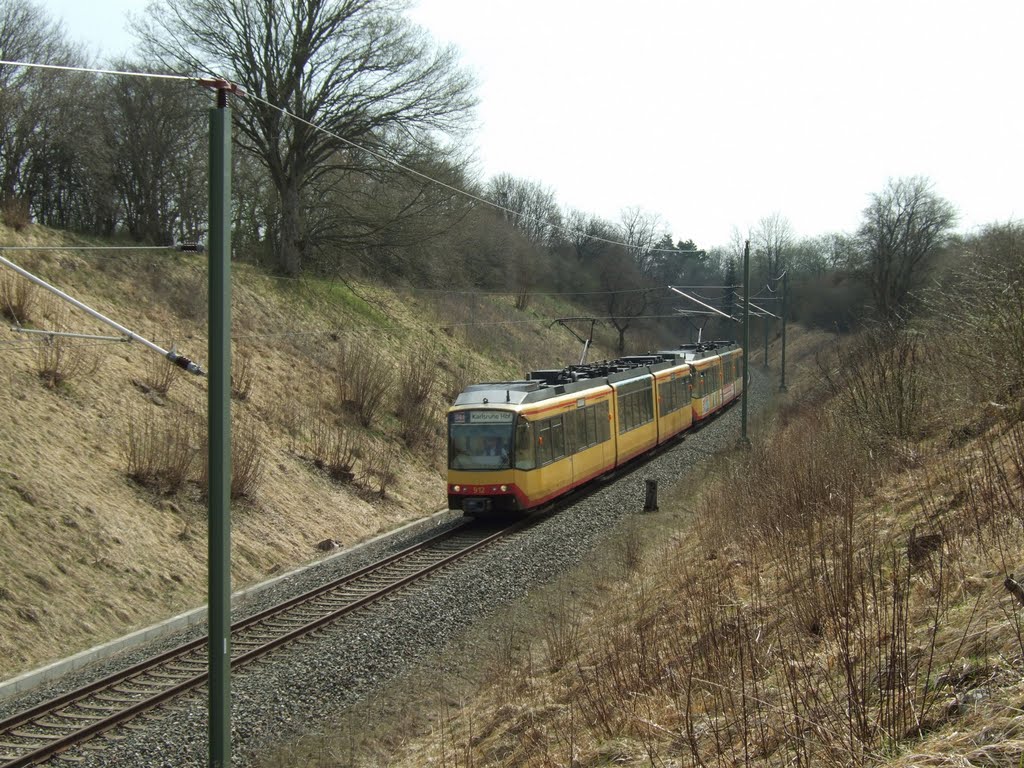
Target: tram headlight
(456, 488)
(504, 488)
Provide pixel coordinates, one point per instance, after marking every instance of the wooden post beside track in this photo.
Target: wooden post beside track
(651, 499)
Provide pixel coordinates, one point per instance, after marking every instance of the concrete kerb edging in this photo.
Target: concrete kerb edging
(32, 678)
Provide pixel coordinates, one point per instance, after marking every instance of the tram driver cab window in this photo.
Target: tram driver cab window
(525, 455)
(496, 446)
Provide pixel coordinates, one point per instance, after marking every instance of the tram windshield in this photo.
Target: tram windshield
(480, 439)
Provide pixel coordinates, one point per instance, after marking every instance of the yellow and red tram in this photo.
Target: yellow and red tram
(516, 445)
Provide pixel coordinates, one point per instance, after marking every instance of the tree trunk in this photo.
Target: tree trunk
(292, 245)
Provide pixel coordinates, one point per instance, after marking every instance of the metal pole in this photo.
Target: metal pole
(785, 297)
(764, 322)
(744, 440)
(219, 422)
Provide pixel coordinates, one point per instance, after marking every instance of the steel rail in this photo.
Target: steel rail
(133, 710)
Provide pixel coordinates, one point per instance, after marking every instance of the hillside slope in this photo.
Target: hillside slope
(90, 553)
(836, 595)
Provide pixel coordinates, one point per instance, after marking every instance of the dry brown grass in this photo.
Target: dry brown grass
(88, 553)
(793, 617)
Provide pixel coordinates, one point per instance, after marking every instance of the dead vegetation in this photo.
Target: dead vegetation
(844, 593)
(17, 297)
(102, 471)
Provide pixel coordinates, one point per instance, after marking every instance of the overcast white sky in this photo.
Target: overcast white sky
(715, 114)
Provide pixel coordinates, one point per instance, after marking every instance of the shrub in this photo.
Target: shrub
(242, 374)
(330, 447)
(563, 633)
(15, 213)
(363, 380)
(455, 377)
(17, 295)
(417, 379)
(60, 359)
(880, 383)
(159, 374)
(160, 449)
(247, 459)
(379, 472)
(994, 315)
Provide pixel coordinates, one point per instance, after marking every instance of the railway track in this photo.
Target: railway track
(48, 729)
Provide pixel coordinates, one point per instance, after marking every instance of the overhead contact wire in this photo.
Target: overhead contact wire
(96, 71)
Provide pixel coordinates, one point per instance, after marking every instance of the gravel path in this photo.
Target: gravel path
(292, 689)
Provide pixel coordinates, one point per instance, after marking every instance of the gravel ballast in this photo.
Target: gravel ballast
(284, 695)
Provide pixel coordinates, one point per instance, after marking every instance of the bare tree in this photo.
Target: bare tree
(625, 293)
(902, 231)
(530, 207)
(26, 94)
(155, 150)
(356, 68)
(641, 232)
(731, 261)
(770, 241)
(588, 235)
(382, 215)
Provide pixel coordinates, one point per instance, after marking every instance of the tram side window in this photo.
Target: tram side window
(557, 438)
(592, 417)
(569, 430)
(625, 413)
(525, 457)
(676, 395)
(582, 416)
(544, 443)
(604, 424)
(635, 409)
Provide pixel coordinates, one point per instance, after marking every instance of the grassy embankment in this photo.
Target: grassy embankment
(835, 595)
(339, 395)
